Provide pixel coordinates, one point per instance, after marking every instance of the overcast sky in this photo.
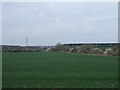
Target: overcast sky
(49, 23)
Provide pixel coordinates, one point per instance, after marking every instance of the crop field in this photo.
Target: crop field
(58, 70)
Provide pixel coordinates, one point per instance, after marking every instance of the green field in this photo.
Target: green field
(58, 70)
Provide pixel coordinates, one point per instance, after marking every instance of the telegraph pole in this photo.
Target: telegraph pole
(26, 44)
(26, 41)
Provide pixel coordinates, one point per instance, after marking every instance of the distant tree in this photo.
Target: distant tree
(60, 47)
(50, 49)
(116, 51)
(86, 49)
(58, 44)
(97, 51)
(111, 52)
(73, 50)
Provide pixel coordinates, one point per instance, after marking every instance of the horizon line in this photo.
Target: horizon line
(64, 43)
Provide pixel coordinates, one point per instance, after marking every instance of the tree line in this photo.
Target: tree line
(86, 49)
(94, 49)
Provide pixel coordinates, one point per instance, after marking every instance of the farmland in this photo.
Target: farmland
(58, 70)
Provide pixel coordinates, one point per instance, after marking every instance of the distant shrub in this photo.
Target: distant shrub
(59, 48)
(62, 48)
(50, 49)
(97, 51)
(73, 50)
(116, 52)
(108, 51)
(86, 49)
(111, 52)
